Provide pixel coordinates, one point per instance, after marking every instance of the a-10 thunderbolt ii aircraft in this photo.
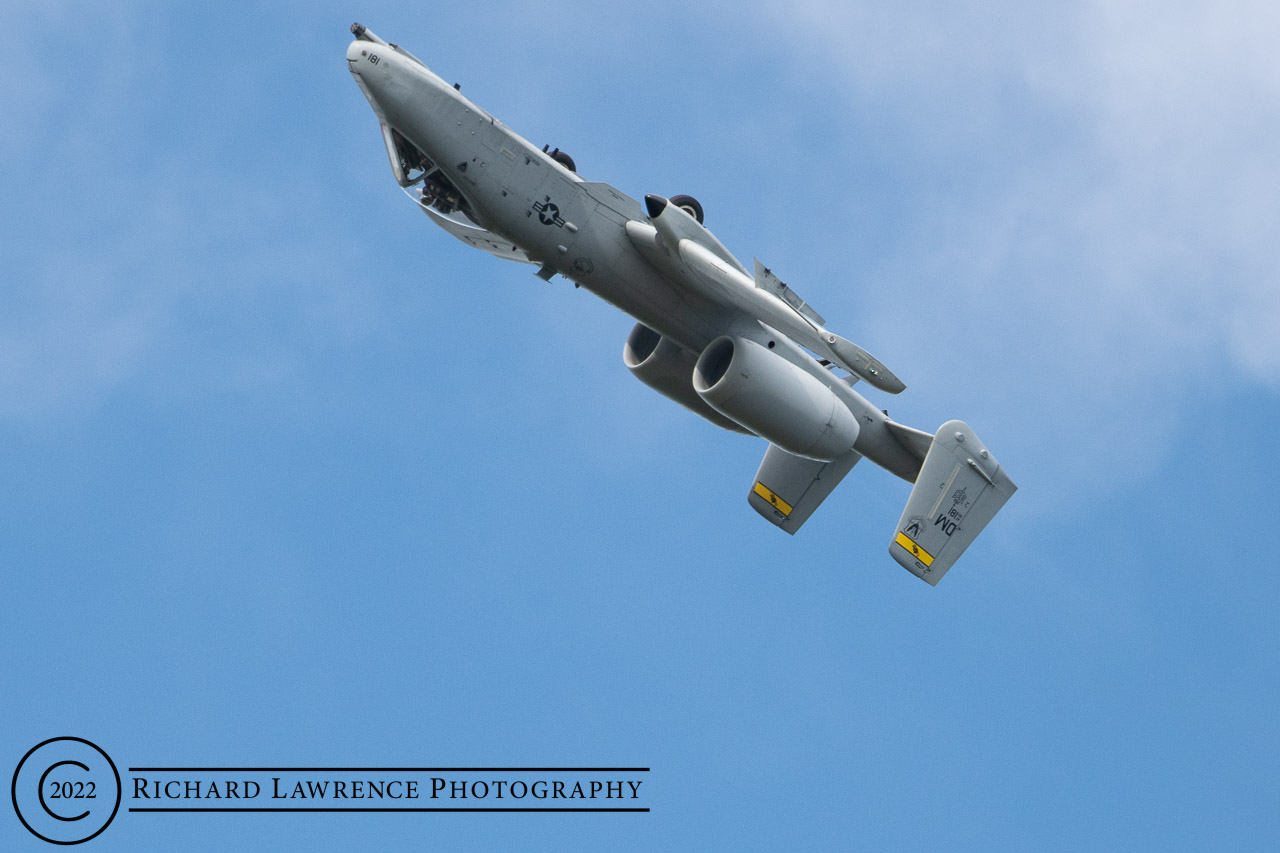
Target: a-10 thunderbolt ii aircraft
(735, 345)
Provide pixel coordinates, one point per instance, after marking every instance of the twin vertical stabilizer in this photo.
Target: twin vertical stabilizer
(959, 490)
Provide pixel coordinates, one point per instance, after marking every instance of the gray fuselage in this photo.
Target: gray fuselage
(573, 227)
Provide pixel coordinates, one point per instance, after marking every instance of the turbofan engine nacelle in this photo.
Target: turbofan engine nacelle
(775, 399)
(667, 368)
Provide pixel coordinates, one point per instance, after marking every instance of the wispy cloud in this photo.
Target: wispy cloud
(1048, 211)
(150, 236)
(1094, 191)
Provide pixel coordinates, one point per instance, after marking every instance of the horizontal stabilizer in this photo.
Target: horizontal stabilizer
(789, 488)
(959, 490)
(916, 441)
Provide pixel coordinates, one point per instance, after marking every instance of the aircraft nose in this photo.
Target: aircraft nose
(356, 52)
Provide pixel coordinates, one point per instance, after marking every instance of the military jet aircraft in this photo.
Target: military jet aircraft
(736, 346)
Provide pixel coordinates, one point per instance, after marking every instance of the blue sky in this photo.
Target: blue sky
(294, 478)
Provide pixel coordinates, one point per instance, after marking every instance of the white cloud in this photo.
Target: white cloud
(1163, 185)
(1084, 203)
(1096, 190)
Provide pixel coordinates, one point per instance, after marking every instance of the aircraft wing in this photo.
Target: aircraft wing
(789, 488)
(959, 490)
(704, 266)
(478, 237)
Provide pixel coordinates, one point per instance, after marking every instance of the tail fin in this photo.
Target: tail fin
(959, 490)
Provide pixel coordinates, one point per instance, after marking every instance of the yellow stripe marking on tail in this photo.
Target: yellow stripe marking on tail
(778, 503)
(920, 554)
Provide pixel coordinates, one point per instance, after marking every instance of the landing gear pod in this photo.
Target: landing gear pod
(689, 205)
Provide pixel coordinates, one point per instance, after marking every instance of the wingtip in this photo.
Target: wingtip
(897, 386)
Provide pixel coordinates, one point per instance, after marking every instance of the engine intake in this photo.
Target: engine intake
(774, 399)
(667, 368)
